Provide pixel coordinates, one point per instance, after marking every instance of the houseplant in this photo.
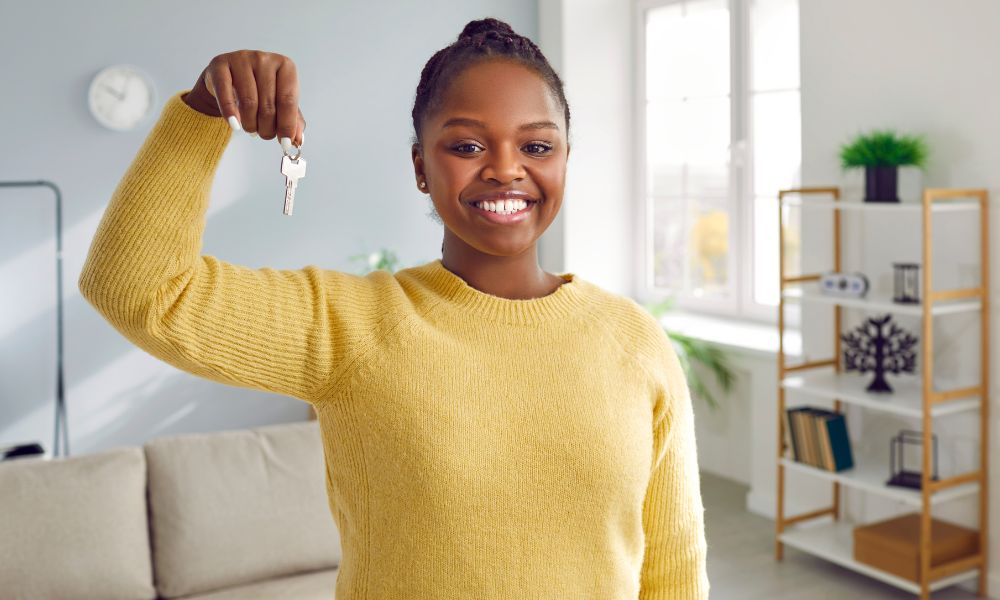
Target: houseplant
(881, 152)
(383, 259)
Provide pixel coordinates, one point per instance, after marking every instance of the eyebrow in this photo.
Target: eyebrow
(480, 124)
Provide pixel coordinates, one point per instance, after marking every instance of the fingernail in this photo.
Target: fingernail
(302, 138)
(234, 123)
(253, 134)
(286, 144)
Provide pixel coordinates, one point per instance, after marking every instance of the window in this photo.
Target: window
(719, 134)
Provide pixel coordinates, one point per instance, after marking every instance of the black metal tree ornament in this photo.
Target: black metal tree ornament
(870, 348)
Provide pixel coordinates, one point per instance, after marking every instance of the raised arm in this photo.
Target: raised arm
(674, 566)
(284, 331)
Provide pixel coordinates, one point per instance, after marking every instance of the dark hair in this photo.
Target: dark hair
(481, 39)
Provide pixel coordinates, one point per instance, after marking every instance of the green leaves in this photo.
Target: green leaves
(383, 259)
(883, 148)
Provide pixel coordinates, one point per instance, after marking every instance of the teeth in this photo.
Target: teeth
(503, 206)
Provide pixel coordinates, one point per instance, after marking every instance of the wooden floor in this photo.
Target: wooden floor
(741, 564)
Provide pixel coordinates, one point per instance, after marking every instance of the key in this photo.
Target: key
(293, 170)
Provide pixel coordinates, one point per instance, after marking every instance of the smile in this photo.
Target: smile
(518, 212)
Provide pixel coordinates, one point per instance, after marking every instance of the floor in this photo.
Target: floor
(741, 564)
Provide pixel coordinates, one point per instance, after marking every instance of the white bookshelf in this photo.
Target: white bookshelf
(853, 204)
(834, 541)
(871, 477)
(905, 400)
(810, 292)
(920, 397)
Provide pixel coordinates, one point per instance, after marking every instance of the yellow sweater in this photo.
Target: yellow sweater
(476, 447)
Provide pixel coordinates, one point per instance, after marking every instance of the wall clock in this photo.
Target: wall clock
(121, 96)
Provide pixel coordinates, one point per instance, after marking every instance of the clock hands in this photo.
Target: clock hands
(114, 92)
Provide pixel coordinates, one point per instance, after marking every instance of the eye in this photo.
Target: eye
(544, 148)
(460, 148)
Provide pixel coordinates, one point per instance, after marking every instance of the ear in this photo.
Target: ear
(416, 153)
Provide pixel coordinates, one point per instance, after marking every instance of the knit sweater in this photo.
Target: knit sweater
(475, 446)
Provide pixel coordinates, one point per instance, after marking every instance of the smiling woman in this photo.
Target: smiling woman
(490, 147)
(452, 472)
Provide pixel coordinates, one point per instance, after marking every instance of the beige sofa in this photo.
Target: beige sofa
(217, 516)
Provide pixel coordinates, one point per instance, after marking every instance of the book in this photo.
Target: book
(818, 438)
(793, 432)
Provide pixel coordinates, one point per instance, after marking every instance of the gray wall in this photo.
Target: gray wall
(359, 63)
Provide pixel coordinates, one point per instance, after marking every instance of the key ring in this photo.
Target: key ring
(297, 154)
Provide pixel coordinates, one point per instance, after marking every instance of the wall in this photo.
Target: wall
(921, 66)
(359, 63)
(590, 42)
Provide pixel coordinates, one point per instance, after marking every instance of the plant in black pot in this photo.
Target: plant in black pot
(881, 153)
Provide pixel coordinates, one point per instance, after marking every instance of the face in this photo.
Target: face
(499, 129)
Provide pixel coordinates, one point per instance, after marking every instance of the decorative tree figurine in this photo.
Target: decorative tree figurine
(871, 349)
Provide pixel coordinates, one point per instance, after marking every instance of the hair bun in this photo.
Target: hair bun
(489, 24)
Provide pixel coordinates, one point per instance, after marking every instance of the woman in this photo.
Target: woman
(490, 430)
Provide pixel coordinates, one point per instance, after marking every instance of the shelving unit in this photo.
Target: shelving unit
(821, 532)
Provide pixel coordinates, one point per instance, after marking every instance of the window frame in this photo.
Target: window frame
(741, 193)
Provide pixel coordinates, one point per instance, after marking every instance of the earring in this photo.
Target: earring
(423, 184)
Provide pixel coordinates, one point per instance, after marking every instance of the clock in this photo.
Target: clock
(121, 96)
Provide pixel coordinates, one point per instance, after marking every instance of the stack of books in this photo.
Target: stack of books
(818, 437)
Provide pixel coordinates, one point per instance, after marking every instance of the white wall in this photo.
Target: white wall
(592, 44)
(359, 63)
(921, 66)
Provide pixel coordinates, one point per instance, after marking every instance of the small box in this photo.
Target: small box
(894, 545)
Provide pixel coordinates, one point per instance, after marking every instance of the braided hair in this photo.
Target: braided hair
(481, 39)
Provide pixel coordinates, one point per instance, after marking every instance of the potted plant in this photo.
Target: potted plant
(689, 348)
(881, 153)
(382, 259)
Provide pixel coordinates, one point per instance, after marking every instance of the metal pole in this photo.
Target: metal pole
(61, 426)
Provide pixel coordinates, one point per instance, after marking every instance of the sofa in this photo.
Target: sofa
(229, 515)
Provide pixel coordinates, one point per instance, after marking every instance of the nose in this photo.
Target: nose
(503, 165)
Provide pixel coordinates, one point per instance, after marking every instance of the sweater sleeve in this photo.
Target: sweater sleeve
(267, 329)
(674, 565)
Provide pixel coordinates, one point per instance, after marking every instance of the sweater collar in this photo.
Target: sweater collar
(566, 300)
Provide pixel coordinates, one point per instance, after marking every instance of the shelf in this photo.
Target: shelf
(875, 302)
(905, 206)
(905, 400)
(817, 533)
(834, 541)
(866, 476)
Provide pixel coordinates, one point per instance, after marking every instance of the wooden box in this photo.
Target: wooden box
(894, 545)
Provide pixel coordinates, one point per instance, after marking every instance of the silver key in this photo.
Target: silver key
(293, 170)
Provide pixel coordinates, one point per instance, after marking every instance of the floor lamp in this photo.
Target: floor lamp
(60, 424)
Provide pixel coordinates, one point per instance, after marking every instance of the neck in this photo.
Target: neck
(517, 277)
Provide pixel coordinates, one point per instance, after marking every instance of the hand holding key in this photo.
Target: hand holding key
(257, 92)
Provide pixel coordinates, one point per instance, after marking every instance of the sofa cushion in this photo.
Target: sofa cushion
(234, 507)
(306, 586)
(75, 527)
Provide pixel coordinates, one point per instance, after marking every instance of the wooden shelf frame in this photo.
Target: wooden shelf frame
(833, 542)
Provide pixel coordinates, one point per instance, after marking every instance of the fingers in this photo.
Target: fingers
(245, 86)
(257, 92)
(300, 129)
(286, 101)
(219, 82)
